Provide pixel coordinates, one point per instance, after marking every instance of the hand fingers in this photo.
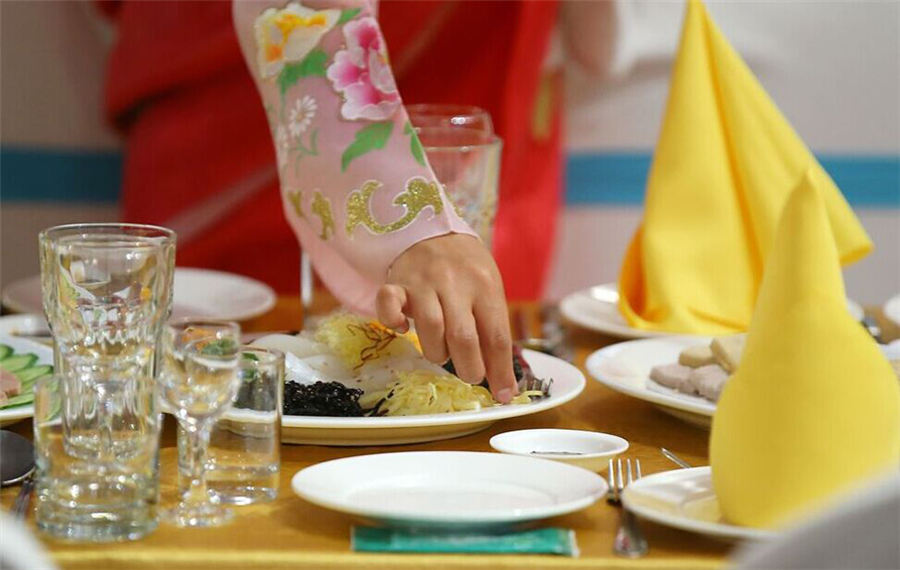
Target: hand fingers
(496, 348)
(461, 336)
(425, 309)
(389, 305)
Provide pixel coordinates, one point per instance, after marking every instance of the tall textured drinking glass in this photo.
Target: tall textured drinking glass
(199, 380)
(79, 498)
(467, 163)
(243, 460)
(107, 290)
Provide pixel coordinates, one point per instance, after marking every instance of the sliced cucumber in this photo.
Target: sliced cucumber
(5, 350)
(33, 373)
(18, 362)
(26, 397)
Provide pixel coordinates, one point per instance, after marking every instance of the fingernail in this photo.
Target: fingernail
(504, 396)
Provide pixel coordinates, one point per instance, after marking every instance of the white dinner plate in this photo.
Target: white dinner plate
(568, 382)
(685, 499)
(23, 346)
(892, 309)
(596, 308)
(449, 488)
(625, 367)
(198, 293)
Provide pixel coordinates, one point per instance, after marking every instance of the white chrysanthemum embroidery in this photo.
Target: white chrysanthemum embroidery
(301, 115)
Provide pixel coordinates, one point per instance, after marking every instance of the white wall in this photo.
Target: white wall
(832, 67)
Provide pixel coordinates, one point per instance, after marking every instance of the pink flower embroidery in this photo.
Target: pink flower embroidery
(361, 73)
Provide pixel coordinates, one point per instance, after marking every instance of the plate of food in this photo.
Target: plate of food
(354, 382)
(198, 292)
(684, 376)
(685, 499)
(449, 489)
(22, 363)
(597, 308)
(670, 372)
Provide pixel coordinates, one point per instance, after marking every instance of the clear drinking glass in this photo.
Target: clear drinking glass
(425, 115)
(243, 460)
(467, 163)
(107, 290)
(199, 380)
(78, 498)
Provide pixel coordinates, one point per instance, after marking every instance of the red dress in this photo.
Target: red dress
(199, 154)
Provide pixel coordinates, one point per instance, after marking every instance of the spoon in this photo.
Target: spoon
(16, 458)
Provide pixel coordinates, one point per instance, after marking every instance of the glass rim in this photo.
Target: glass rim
(182, 321)
(164, 233)
(489, 139)
(270, 355)
(445, 109)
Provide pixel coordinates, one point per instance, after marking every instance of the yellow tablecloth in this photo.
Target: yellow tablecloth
(291, 533)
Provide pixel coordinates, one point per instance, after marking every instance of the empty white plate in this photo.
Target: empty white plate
(586, 449)
(597, 308)
(449, 488)
(198, 293)
(685, 499)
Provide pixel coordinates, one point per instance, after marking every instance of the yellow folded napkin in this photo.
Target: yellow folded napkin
(724, 165)
(814, 407)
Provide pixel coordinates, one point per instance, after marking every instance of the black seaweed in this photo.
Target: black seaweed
(331, 399)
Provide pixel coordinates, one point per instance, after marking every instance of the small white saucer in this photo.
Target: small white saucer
(588, 449)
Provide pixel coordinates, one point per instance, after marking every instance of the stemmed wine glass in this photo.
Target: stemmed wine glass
(199, 380)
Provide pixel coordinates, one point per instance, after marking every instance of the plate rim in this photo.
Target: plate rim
(592, 362)
(23, 411)
(628, 332)
(271, 297)
(722, 530)
(891, 309)
(456, 418)
(500, 516)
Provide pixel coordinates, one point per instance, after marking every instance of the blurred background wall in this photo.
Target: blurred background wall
(833, 68)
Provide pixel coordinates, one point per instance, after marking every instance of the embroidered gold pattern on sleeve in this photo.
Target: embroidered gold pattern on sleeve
(296, 199)
(321, 207)
(419, 194)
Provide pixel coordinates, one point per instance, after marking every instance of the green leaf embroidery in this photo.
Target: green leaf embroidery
(347, 15)
(368, 138)
(415, 145)
(313, 65)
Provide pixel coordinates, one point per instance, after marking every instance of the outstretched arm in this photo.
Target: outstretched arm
(357, 188)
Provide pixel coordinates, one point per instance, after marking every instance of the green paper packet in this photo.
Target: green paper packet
(559, 541)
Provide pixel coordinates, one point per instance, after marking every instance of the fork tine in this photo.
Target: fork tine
(619, 475)
(638, 463)
(628, 463)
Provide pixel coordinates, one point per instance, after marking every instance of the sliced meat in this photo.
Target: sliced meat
(708, 381)
(697, 356)
(9, 383)
(673, 376)
(728, 349)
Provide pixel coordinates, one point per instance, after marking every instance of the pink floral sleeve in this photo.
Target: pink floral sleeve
(355, 183)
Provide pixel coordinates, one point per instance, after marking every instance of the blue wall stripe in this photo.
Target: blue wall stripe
(619, 178)
(592, 179)
(44, 175)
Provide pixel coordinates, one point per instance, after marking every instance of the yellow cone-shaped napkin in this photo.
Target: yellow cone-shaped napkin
(724, 165)
(814, 406)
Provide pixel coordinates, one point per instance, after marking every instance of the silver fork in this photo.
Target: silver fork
(531, 382)
(629, 539)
